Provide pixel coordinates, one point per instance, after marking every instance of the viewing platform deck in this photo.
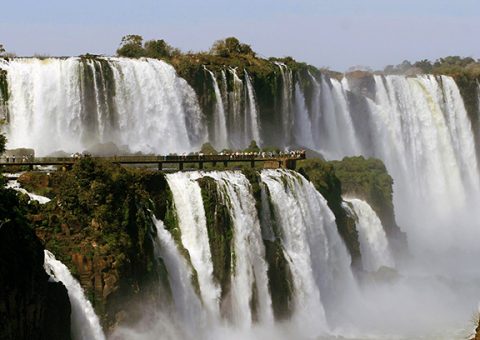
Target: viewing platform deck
(286, 161)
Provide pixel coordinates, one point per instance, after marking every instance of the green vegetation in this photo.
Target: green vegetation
(4, 95)
(208, 149)
(279, 279)
(323, 175)
(230, 47)
(369, 180)
(132, 46)
(99, 224)
(220, 232)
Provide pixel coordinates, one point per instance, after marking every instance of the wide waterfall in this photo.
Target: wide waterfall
(417, 125)
(373, 240)
(85, 324)
(75, 103)
(323, 285)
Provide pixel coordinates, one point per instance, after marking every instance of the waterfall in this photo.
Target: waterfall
(188, 201)
(374, 245)
(316, 114)
(317, 256)
(13, 184)
(84, 322)
(187, 304)
(422, 132)
(250, 265)
(252, 123)
(349, 140)
(220, 137)
(286, 104)
(236, 118)
(80, 102)
(302, 132)
(478, 103)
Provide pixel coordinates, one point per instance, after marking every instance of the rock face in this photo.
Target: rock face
(31, 307)
(99, 225)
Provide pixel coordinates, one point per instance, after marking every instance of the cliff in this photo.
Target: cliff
(31, 306)
(99, 224)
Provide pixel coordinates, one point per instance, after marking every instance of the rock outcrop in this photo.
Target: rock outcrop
(31, 305)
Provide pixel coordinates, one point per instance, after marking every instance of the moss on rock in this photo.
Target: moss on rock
(322, 174)
(220, 233)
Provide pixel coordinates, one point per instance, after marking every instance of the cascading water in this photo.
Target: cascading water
(252, 123)
(13, 184)
(188, 307)
(236, 125)
(373, 240)
(250, 265)
(188, 201)
(84, 322)
(79, 102)
(302, 131)
(220, 122)
(286, 101)
(317, 256)
(419, 125)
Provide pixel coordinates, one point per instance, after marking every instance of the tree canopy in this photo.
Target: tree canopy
(230, 46)
(132, 46)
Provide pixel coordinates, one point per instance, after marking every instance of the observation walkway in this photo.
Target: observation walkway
(285, 160)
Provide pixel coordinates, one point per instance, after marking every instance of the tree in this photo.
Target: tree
(2, 50)
(208, 149)
(425, 65)
(131, 46)
(231, 46)
(160, 49)
(253, 147)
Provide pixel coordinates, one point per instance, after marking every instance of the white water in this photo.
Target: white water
(374, 247)
(236, 125)
(84, 322)
(419, 129)
(188, 201)
(71, 105)
(220, 122)
(252, 123)
(250, 265)
(317, 256)
(13, 184)
(286, 104)
(302, 131)
(188, 307)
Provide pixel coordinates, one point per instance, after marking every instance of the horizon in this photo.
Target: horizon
(336, 36)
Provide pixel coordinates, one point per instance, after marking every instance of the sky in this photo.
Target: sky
(336, 34)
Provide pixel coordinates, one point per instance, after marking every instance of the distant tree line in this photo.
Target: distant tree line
(447, 65)
(132, 46)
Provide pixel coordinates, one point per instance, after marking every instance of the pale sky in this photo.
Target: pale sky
(331, 33)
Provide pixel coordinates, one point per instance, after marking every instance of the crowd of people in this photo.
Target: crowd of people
(240, 155)
(14, 159)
